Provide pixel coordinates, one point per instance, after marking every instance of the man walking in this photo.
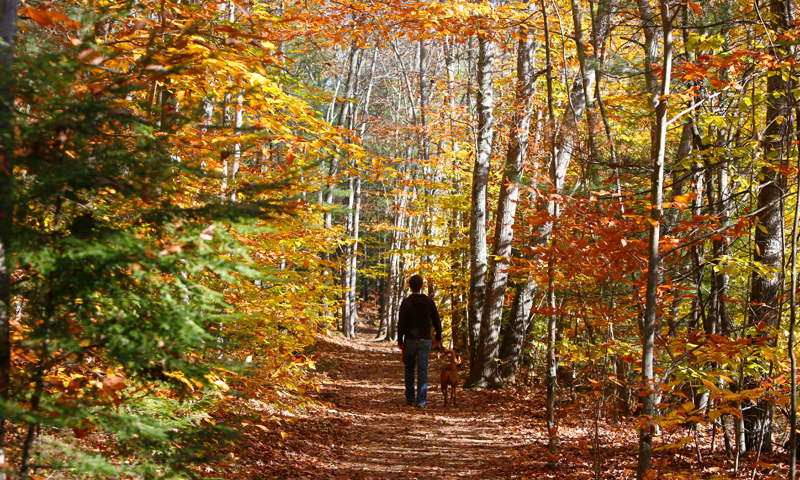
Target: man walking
(417, 314)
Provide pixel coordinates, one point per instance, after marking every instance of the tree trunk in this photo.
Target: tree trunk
(649, 382)
(513, 332)
(351, 332)
(552, 369)
(343, 113)
(768, 249)
(792, 327)
(480, 181)
(237, 148)
(8, 23)
(485, 371)
(383, 324)
(347, 251)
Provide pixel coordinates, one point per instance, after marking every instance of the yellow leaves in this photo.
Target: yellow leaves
(182, 378)
(685, 198)
(245, 240)
(257, 79)
(215, 380)
(710, 386)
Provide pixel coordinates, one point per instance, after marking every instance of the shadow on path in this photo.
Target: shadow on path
(390, 439)
(368, 431)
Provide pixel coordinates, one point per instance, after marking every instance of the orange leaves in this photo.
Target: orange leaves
(698, 10)
(46, 17)
(244, 11)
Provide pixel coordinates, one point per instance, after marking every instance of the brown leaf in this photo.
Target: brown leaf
(206, 233)
(114, 384)
(244, 11)
(81, 432)
(171, 249)
(139, 24)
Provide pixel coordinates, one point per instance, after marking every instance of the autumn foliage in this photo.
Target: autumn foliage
(194, 192)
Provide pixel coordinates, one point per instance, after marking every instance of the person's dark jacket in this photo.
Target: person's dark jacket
(417, 314)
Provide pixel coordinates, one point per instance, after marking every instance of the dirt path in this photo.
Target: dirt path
(361, 429)
(390, 439)
(368, 432)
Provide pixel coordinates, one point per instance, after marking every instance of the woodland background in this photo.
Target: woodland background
(602, 196)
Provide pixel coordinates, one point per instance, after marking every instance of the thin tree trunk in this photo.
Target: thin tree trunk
(237, 148)
(580, 48)
(347, 251)
(651, 399)
(424, 144)
(351, 333)
(343, 113)
(552, 369)
(524, 295)
(8, 23)
(456, 260)
(792, 327)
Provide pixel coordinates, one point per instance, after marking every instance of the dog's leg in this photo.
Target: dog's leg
(455, 386)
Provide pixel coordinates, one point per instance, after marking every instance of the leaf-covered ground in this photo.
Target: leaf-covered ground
(364, 430)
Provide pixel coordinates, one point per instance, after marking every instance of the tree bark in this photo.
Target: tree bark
(513, 332)
(8, 24)
(792, 328)
(485, 369)
(768, 249)
(480, 181)
(552, 369)
(651, 398)
(343, 113)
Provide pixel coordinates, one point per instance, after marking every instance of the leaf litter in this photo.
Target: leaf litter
(360, 428)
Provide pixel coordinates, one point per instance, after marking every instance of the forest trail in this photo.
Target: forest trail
(366, 431)
(389, 439)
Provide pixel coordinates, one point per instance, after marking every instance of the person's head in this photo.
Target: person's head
(415, 283)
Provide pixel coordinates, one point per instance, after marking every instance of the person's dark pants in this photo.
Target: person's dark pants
(416, 354)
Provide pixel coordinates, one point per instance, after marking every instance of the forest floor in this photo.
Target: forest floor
(362, 429)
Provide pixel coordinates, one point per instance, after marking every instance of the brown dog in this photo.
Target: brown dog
(450, 374)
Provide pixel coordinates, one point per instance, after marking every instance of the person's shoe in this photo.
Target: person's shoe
(409, 402)
(419, 405)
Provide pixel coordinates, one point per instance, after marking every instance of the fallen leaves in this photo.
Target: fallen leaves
(369, 432)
